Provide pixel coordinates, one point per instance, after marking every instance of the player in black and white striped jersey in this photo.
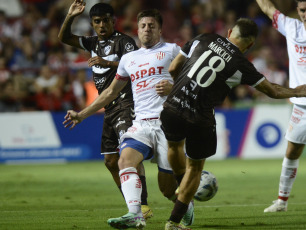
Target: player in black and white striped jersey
(106, 48)
(204, 72)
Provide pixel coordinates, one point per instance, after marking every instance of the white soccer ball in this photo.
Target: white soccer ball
(208, 187)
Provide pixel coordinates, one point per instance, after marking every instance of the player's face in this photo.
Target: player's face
(149, 32)
(103, 26)
(301, 9)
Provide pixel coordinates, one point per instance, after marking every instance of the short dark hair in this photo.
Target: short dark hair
(297, 1)
(247, 28)
(154, 13)
(100, 9)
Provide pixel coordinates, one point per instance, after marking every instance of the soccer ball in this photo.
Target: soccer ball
(208, 187)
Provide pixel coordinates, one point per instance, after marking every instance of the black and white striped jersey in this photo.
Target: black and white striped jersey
(213, 67)
(112, 49)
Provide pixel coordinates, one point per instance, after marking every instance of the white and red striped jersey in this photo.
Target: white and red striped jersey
(146, 68)
(295, 33)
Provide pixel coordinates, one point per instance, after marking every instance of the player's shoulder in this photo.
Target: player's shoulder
(288, 20)
(168, 44)
(90, 38)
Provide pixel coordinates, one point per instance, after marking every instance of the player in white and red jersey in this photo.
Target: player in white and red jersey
(295, 32)
(147, 70)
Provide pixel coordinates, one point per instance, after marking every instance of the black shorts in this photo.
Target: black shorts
(201, 141)
(114, 126)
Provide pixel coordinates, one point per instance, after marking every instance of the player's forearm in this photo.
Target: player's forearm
(65, 30)
(100, 102)
(176, 65)
(267, 7)
(112, 64)
(281, 92)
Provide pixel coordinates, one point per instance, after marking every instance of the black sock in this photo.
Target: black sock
(121, 190)
(144, 193)
(178, 211)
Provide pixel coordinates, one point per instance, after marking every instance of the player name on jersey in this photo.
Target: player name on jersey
(220, 51)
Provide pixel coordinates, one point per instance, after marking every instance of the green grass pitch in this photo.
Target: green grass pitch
(83, 196)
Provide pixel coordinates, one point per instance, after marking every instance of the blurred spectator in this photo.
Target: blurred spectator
(4, 71)
(48, 90)
(78, 88)
(27, 59)
(225, 22)
(9, 97)
(29, 45)
(185, 34)
(5, 27)
(58, 61)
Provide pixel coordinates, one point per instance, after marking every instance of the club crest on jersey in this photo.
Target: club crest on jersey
(129, 47)
(160, 55)
(107, 49)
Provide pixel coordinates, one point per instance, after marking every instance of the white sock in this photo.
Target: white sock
(288, 175)
(131, 189)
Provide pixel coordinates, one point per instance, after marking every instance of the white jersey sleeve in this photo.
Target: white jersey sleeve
(176, 50)
(121, 71)
(295, 33)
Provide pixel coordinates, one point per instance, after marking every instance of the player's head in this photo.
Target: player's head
(102, 20)
(244, 33)
(149, 27)
(301, 9)
(101, 9)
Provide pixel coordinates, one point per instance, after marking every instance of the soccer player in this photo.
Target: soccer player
(204, 72)
(106, 49)
(147, 70)
(295, 32)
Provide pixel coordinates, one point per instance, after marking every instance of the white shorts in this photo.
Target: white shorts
(296, 131)
(150, 133)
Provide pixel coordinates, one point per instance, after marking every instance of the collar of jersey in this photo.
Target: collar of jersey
(153, 47)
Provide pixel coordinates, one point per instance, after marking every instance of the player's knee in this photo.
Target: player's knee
(111, 163)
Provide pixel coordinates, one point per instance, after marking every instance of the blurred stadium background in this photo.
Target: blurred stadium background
(250, 125)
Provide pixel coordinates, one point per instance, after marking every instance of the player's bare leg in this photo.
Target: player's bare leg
(167, 184)
(188, 187)
(191, 180)
(176, 157)
(111, 163)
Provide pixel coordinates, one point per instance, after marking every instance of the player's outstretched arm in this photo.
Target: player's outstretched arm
(73, 118)
(176, 65)
(267, 7)
(65, 35)
(279, 92)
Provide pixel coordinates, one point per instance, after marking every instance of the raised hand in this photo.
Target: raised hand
(72, 118)
(77, 8)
